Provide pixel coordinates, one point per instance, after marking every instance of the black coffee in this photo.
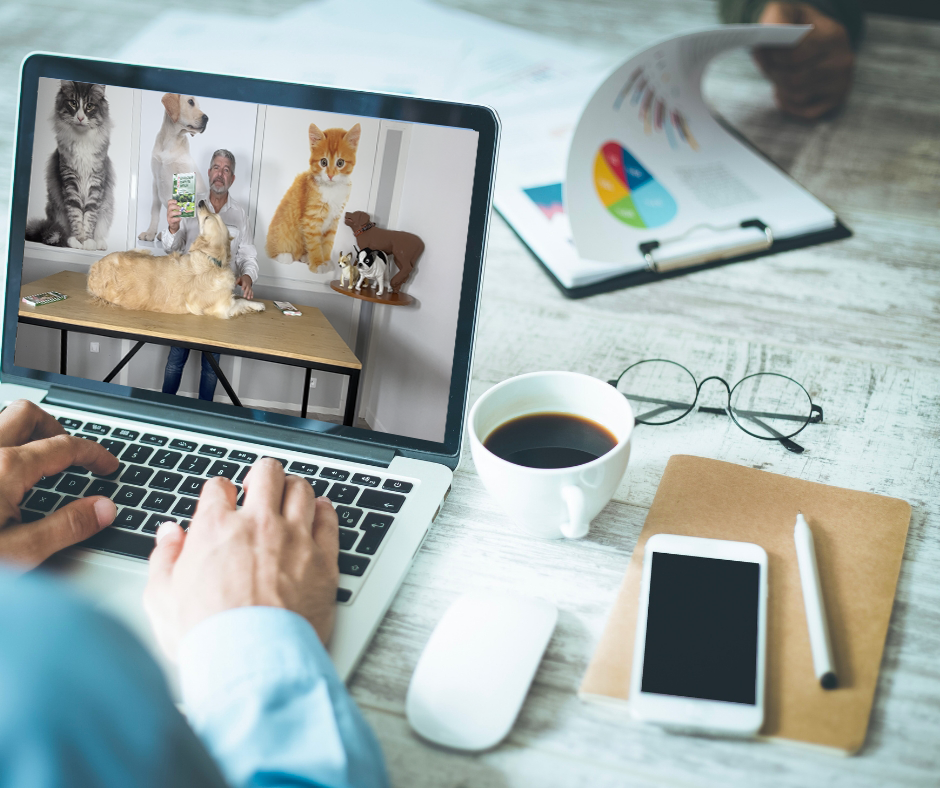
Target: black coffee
(550, 440)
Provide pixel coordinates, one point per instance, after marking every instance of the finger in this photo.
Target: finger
(21, 467)
(300, 503)
(23, 421)
(776, 13)
(216, 500)
(811, 110)
(264, 486)
(170, 540)
(29, 544)
(326, 527)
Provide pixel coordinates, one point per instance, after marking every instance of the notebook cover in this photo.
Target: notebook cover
(859, 540)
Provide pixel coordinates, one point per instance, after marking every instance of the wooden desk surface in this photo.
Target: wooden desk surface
(858, 322)
(309, 337)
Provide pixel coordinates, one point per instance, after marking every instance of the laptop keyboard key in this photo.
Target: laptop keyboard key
(153, 440)
(158, 502)
(347, 538)
(137, 453)
(303, 468)
(72, 485)
(124, 435)
(165, 459)
(42, 501)
(381, 501)
(343, 594)
(193, 464)
(183, 445)
(396, 486)
(319, 486)
(48, 482)
(352, 564)
(242, 456)
(27, 516)
(365, 479)
(69, 424)
(100, 487)
(77, 469)
(129, 496)
(375, 527)
(113, 446)
(343, 493)
(222, 468)
(130, 519)
(192, 486)
(166, 481)
(334, 473)
(155, 521)
(113, 474)
(348, 516)
(212, 451)
(136, 474)
(185, 507)
(243, 474)
(96, 429)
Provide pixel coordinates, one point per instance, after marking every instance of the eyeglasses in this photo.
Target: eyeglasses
(766, 405)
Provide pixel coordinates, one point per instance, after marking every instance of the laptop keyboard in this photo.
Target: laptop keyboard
(160, 477)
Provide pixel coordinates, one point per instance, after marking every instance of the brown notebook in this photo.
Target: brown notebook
(859, 540)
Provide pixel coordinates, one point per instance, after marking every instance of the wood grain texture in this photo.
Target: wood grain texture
(308, 337)
(858, 322)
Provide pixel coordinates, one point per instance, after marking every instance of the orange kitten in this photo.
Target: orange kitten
(305, 222)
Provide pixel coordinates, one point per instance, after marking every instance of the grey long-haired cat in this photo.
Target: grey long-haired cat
(79, 175)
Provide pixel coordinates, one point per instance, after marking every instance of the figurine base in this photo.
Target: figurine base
(368, 294)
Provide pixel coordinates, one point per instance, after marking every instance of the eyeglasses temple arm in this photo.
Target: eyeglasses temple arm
(788, 444)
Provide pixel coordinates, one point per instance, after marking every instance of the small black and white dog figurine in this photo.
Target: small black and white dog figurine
(373, 264)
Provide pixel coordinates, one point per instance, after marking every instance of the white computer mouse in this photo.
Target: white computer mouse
(476, 668)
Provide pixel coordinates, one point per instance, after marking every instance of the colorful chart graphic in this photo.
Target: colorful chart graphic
(627, 189)
(547, 198)
(654, 111)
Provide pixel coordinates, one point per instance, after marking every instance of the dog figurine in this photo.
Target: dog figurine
(199, 282)
(348, 272)
(406, 248)
(373, 264)
(183, 119)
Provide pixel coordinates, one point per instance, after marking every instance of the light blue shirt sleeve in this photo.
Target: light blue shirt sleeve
(262, 694)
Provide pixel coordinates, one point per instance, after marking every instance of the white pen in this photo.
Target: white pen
(813, 602)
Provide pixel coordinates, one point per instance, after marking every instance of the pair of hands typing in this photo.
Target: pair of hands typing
(279, 550)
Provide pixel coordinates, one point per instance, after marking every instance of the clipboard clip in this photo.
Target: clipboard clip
(694, 247)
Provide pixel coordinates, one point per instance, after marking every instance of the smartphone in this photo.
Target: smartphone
(701, 634)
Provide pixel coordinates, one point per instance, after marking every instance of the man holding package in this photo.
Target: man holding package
(179, 236)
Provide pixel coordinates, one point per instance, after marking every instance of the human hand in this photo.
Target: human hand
(173, 216)
(244, 281)
(32, 445)
(813, 77)
(279, 550)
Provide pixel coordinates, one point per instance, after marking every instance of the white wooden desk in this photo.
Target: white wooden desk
(858, 322)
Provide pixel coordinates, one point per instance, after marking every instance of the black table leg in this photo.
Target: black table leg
(306, 397)
(123, 362)
(352, 392)
(63, 351)
(224, 380)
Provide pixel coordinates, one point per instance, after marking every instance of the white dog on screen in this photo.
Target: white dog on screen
(373, 264)
(182, 120)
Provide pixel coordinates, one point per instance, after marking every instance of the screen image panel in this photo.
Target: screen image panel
(702, 626)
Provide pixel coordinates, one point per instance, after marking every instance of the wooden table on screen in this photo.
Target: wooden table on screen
(307, 341)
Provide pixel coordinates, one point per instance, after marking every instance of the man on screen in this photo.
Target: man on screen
(179, 236)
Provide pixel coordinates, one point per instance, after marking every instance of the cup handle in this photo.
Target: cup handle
(577, 525)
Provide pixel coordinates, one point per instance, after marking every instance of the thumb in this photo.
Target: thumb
(170, 540)
(158, 601)
(780, 14)
(29, 544)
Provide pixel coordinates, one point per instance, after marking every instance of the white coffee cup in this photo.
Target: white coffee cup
(552, 502)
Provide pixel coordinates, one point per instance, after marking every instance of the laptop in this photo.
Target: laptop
(368, 404)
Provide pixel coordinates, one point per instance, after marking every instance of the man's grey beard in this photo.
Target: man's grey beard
(218, 188)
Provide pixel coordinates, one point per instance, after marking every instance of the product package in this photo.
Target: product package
(287, 308)
(184, 192)
(49, 297)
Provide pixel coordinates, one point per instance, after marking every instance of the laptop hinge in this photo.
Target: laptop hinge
(221, 425)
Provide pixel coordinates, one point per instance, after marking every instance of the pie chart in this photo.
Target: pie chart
(627, 189)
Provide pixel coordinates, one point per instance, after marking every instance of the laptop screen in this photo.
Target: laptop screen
(168, 219)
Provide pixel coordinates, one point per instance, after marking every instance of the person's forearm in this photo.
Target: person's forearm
(261, 692)
(848, 12)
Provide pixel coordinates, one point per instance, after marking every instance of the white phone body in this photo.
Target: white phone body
(698, 658)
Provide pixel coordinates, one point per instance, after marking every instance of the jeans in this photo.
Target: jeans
(174, 373)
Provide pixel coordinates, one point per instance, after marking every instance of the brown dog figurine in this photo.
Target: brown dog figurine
(406, 247)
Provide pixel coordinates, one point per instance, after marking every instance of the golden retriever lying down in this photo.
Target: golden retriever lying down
(200, 282)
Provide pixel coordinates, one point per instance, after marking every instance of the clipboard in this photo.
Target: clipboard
(859, 540)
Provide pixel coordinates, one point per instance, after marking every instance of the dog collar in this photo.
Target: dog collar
(218, 263)
(365, 227)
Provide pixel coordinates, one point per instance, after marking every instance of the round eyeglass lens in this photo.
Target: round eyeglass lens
(768, 405)
(659, 391)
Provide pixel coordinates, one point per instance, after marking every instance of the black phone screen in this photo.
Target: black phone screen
(701, 628)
